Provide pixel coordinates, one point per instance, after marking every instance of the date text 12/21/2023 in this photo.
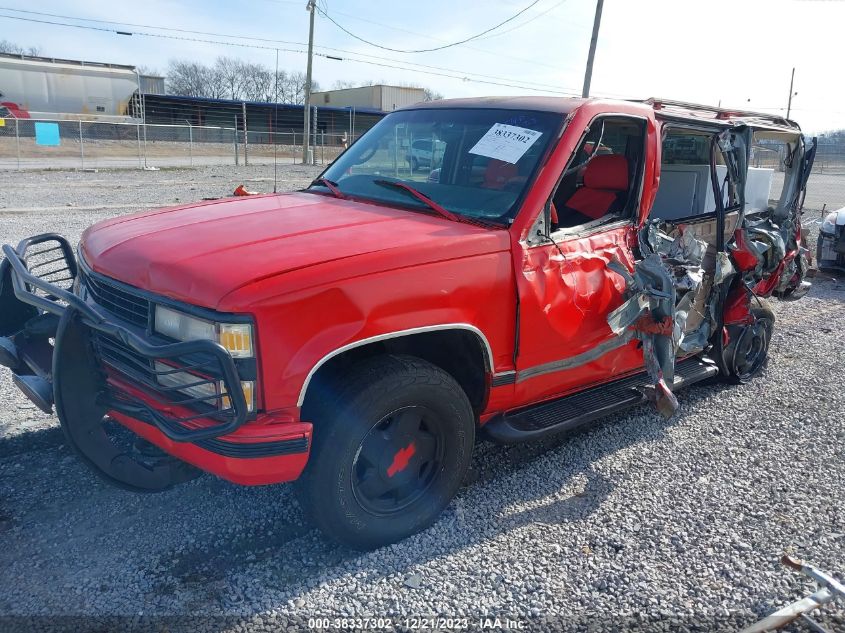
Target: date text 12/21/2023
(418, 623)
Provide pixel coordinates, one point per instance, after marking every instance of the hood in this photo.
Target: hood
(200, 253)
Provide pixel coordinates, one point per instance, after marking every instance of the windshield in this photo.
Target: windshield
(472, 162)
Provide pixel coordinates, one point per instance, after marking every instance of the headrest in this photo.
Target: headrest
(609, 171)
(498, 173)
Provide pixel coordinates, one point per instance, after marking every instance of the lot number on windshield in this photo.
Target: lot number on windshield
(504, 142)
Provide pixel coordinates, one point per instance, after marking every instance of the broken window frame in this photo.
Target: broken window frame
(713, 131)
(795, 171)
(540, 233)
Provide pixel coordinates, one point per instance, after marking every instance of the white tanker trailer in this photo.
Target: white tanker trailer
(45, 88)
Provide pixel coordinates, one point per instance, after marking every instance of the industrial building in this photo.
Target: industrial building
(380, 97)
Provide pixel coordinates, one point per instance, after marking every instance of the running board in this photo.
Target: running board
(569, 412)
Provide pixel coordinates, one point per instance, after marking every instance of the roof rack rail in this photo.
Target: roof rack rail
(700, 111)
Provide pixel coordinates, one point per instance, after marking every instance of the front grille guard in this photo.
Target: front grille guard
(43, 293)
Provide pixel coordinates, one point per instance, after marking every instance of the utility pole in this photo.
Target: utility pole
(306, 141)
(789, 103)
(588, 75)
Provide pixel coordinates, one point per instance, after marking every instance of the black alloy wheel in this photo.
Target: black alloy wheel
(393, 438)
(398, 460)
(748, 350)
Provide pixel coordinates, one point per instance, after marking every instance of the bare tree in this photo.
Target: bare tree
(189, 79)
(431, 95)
(257, 83)
(230, 75)
(10, 47)
(231, 78)
(292, 90)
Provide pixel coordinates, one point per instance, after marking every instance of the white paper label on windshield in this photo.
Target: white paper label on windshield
(504, 142)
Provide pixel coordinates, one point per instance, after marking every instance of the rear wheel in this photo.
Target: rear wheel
(748, 347)
(389, 452)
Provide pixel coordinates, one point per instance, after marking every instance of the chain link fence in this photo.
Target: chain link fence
(826, 187)
(89, 145)
(68, 144)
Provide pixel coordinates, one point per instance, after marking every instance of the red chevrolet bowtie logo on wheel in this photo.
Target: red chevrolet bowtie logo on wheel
(401, 459)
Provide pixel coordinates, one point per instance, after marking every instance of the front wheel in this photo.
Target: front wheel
(748, 346)
(389, 452)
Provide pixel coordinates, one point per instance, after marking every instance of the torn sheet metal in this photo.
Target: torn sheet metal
(724, 268)
(663, 289)
(653, 240)
(687, 248)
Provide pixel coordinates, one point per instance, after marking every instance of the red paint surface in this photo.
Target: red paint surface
(742, 254)
(401, 459)
(738, 307)
(246, 471)
(15, 110)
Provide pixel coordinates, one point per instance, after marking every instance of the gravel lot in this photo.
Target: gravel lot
(681, 521)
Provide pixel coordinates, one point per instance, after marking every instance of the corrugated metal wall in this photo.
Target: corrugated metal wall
(393, 97)
(380, 97)
(261, 117)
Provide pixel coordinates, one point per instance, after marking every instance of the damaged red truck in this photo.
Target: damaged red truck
(558, 260)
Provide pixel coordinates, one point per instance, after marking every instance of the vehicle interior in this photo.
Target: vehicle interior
(603, 178)
(686, 201)
(601, 184)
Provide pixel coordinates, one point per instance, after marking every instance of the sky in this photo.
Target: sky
(739, 53)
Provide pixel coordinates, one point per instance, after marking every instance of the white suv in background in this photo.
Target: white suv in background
(425, 152)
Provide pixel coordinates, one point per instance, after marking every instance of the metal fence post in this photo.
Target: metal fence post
(235, 139)
(18, 141)
(190, 141)
(314, 136)
(81, 147)
(144, 121)
(322, 147)
(246, 137)
(138, 135)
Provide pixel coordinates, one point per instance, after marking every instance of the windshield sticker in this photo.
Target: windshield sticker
(522, 120)
(507, 143)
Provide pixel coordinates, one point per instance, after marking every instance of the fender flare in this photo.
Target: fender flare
(485, 346)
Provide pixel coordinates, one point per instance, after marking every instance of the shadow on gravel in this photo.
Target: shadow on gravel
(213, 538)
(42, 439)
(299, 559)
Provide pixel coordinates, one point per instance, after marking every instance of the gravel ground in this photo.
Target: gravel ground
(671, 523)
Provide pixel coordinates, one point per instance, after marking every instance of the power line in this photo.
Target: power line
(148, 26)
(455, 73)
(463, 73)
(503, 83)
(143, 34)
(528, 21)
(497, 54)
(424, 50)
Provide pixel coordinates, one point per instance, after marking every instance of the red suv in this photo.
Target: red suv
(357, 336)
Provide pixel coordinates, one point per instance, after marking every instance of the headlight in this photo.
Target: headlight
(211, 393)
(829, 224)
(236, 338)
(248, 387)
